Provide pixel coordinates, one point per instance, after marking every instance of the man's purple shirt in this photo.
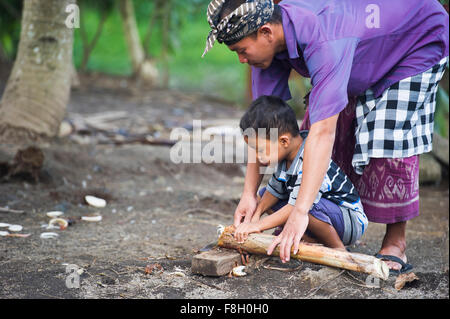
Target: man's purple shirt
(339, 44)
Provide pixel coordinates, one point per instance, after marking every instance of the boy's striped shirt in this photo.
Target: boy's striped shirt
(336, 186)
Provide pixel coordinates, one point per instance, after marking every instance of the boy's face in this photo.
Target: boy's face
(268, 152)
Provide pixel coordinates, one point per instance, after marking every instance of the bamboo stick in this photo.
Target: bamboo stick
(258, 243)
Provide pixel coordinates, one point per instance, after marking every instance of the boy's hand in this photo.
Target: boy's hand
(256, 217)
(243, 230)
(245, 209)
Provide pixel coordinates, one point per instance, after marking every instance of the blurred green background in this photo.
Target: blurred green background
(219, 73)
(184, 22)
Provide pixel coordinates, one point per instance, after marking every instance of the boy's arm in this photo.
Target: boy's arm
(242, 230)
(266, 202)
(276, 219)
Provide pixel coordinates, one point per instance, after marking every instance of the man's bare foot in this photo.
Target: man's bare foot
(393, 251)
(394, 244)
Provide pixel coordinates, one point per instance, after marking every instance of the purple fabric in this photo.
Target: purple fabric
(324, 210)
(330, 42)
(388, 188)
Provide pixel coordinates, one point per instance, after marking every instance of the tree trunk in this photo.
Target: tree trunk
(165, 42)
(155, 15)
(143, 69)
(74, 79)
(38, 89)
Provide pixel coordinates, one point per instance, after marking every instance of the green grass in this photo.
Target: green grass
(219, 73)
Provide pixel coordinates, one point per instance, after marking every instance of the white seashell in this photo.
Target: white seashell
(65, 128)
(220, 229)
(15, 228)
(61, 222)
(48, 227)
(91, 218)
(4, 233)
(4, 225)
(239, 271)
(178, 274)
(95, 201)
(49, 235)
(54, 214)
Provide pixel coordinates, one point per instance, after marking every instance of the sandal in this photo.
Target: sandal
(405, 267)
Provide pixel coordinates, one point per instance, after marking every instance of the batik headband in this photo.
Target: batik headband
(246, 19)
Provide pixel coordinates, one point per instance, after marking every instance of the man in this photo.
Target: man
(389, 54)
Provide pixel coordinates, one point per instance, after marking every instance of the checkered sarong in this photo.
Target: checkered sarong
(400, 122)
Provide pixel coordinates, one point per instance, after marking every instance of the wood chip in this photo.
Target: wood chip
(282, 269)
(402, 279)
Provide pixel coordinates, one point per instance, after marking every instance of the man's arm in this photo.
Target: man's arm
(247, 204)
(270, 81)
(329, 64)
(276, 219)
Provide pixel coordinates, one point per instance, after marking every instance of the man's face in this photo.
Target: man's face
(257, 51)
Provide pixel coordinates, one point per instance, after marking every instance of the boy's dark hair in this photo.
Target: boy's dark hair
(270, 112)
(231, 5)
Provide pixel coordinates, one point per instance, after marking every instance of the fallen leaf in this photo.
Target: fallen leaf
(402, 279)
(150, 268)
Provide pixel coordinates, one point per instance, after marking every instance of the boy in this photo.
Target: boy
(336, 218)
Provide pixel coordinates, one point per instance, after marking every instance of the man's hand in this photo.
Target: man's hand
(292, 233)
(243, 230)
(245, 210)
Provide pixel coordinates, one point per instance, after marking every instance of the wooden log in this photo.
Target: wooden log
(258, 243)
(215, 262)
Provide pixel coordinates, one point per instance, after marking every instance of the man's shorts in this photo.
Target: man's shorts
(350, 225)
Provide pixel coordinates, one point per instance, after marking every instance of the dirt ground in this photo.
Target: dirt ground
(159, 212)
